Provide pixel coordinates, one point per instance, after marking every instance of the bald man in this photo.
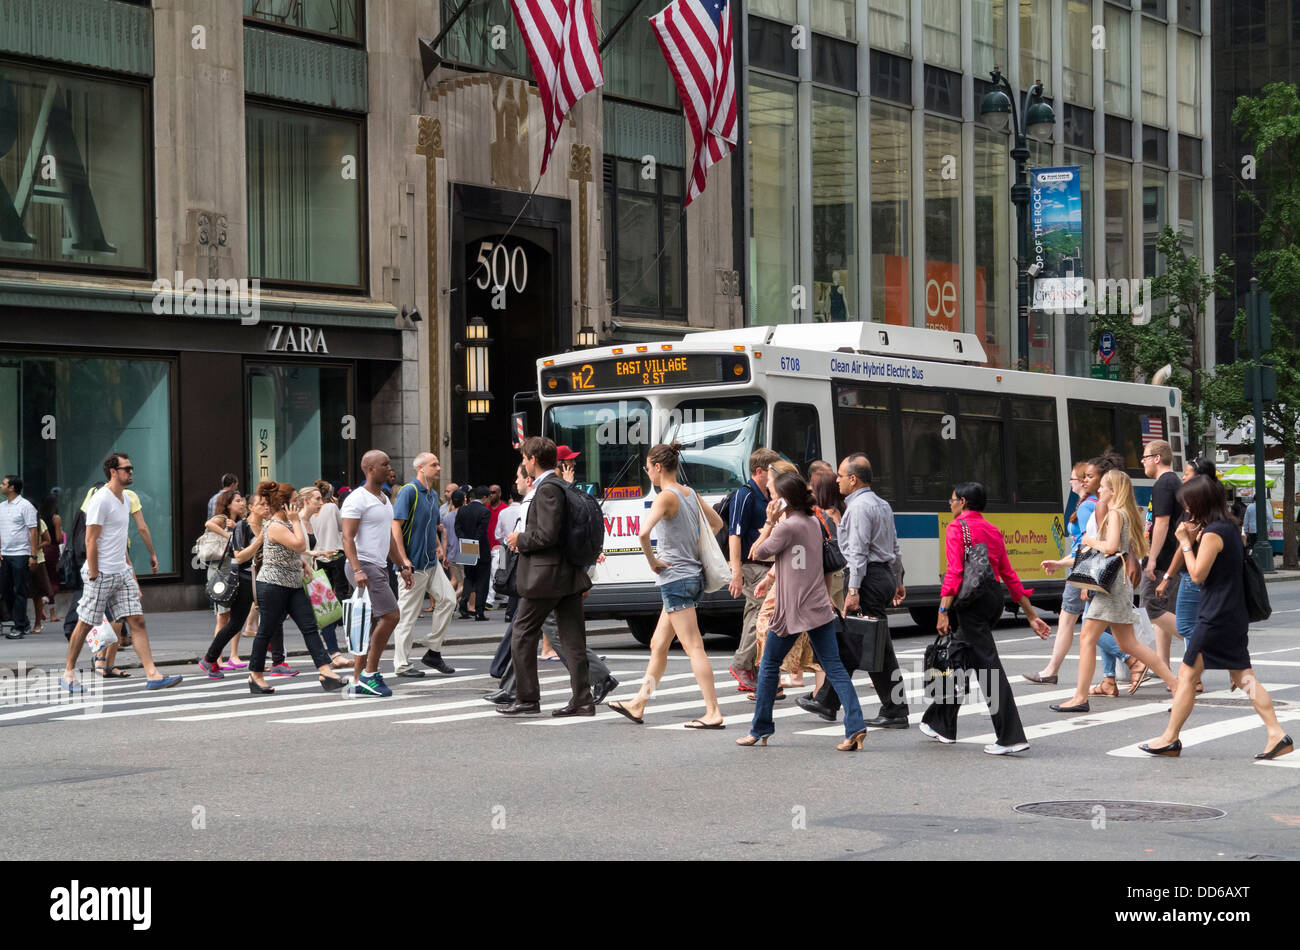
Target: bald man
(369, 545)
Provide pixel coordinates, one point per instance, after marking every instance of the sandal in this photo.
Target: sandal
(1139, 676)
(1101, 690)
(701, 724)
(99, 667)
(624, 711)
(114, 673)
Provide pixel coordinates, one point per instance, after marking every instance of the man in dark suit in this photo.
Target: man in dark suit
(546, 581)
(472, 525)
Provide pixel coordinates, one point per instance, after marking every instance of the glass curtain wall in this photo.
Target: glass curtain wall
(1036, 44)
(1119, 216)
(1155, 215)
(1155, 102)
(890, 25)
(835, 206)
(97, 406)
(1118, 61)
(835, 18)
(943, 33)
(989, 28)
(993, 286)
(1077, 49)
(891, 209)
(1189, 215)
(943, 226)
(1189, 82)
(773, 198)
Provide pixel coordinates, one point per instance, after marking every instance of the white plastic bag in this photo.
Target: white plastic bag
(1142, 628)
(356, 621)
(717, 573)
(100, 636)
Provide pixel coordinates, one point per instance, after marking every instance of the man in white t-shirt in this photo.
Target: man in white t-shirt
(107, 578)
(19, 546)
(368, 544)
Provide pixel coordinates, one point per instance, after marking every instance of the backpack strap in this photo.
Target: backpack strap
(408, 528)
(826, 530)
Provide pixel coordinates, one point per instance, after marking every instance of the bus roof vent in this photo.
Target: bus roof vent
(750, 336)
(912, 342)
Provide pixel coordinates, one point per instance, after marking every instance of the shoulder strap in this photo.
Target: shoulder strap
(965, 534)
(826, 530)
(408, 528)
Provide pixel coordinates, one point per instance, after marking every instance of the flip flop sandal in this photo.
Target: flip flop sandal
(701, 724)
(625, 712)
(114, 673)
(1139, 680)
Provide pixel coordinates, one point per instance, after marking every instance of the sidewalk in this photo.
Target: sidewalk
(180, 638)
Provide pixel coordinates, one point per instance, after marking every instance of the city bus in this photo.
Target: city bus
(919, 402)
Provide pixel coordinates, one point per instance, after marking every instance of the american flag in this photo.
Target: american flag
(563, 50)
(695, 36)
(1153, 428)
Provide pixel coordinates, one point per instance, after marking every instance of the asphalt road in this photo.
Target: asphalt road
(207, 771)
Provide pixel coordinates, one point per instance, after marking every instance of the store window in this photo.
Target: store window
(1189, 82)
(989, 26)
(74, 164)
(472, 41)
(835, 206)
(339, 19)
(773, 199)
(1155, 102)
(634, 65)
(1078, 342)
(1077, 74)
(91, 407)
(294, 430)
(835, 17)
(645, 239)
(891, 189)
(890, 25)
(1119, 228)
(1117, 61)
(943, 227)
(1036, 44)
(942, 33)
(304, 214)
(992, 246)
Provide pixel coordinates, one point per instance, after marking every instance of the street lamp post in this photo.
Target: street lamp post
(1038, 117)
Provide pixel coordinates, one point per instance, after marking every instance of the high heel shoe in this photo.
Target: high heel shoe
(1284, 746)
(258, 690)
(853, 742)
(331, 683)
(751, 740)
(1174, 748)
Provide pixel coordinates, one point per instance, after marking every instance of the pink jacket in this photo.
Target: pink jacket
(985, 532)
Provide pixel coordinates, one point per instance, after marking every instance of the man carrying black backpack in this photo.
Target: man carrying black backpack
(547, 579)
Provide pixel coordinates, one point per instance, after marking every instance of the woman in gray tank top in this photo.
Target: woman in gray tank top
(674, 520)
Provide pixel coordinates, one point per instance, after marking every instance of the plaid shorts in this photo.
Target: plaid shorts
(117, 593)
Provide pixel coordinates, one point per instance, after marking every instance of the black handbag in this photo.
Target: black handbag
(1095, 571)
(224, 582)
(504, 580)
(947, 662)
(833, 560)
(868, 638)
(976, 569)
(1253, 587)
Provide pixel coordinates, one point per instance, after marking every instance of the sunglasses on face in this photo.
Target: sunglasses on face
(125, 468)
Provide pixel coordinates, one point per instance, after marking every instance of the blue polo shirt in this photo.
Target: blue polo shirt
(417, 508)
(747, 516)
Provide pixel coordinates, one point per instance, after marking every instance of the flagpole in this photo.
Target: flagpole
(609, 37)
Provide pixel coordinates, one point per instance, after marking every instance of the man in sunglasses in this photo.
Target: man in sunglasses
(107, 578)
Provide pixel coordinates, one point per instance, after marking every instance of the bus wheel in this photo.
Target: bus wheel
(643, 628)
(924, 617)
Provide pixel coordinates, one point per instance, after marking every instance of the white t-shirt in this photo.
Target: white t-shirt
(375, 512)
(507, 520)
(325, 526)
(17, 518)
(112, 515)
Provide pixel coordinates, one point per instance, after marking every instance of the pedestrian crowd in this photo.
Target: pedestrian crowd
(815, 557)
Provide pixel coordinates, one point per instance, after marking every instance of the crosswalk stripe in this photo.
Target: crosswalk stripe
(972, 708)
(1214, 730)
(654, 707)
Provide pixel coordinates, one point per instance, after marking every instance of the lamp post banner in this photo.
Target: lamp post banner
(1056, 233)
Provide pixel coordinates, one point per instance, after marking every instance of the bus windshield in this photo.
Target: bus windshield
(717, 437)
(612, 438)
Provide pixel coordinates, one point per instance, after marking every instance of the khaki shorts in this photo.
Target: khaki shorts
(382, 599)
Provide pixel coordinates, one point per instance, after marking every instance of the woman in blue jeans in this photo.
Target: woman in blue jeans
(793, 536)
(674, 521)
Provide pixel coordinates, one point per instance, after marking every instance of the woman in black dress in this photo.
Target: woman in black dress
(1211, 544)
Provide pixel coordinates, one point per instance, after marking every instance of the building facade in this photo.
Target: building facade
(410, 263)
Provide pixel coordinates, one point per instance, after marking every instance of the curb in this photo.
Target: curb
(1283, 579)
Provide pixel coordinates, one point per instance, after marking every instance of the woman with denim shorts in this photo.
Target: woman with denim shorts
(1084, 478)
(674, 521)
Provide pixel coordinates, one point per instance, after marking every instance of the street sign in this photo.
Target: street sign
(1106, 347)
(1097, 371)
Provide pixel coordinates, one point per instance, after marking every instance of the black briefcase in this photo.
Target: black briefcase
(869, 639)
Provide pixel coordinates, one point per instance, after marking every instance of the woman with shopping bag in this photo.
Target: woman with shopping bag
(674, 521)
(279, 589)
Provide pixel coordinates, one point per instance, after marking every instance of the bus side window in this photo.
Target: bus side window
(1037, 451)
(983, 455)
(796, 434)
(928, 456)
(864, 423)
(1092, 431)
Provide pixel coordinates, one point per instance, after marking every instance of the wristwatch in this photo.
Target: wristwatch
(943, 610)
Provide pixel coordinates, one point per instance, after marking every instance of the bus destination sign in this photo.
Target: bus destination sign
(645, 372)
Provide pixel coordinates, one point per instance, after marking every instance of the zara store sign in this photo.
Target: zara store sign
(286, 339)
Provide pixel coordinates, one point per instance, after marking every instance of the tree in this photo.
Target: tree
(1270, 127)
(1175, 335)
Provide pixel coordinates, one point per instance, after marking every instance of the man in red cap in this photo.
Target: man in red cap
(567, 459)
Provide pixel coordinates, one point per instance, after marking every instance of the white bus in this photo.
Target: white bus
(918, 402)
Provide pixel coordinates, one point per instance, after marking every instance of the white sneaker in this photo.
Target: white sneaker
(995, 749)
(927, 731)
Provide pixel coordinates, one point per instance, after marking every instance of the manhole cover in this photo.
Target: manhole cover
(1226, 701)
(1091, 809)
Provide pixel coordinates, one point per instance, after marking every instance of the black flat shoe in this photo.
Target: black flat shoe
(331, 683)
(259, 690)
(1081, 708)
(1174, 748)
(1284, 746)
